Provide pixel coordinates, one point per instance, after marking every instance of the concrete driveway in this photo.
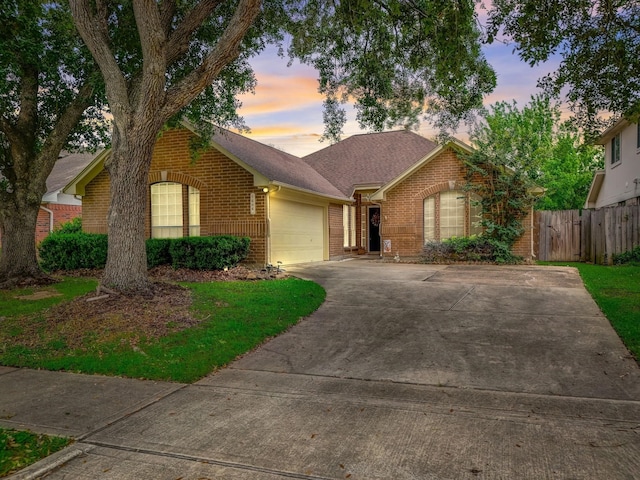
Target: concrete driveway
(406, 372)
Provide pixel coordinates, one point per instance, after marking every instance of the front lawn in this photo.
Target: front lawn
(181, 335)
(616, 290)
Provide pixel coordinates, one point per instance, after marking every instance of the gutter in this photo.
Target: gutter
(50, 212)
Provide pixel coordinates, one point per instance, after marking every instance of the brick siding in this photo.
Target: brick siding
(402, 211)
(225, 192)
(61, 214)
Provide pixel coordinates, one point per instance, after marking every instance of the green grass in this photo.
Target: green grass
(11, 305)
(616, 290)
(236, 317)
(19, 449)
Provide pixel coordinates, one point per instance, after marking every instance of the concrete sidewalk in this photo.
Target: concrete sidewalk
(406, 371)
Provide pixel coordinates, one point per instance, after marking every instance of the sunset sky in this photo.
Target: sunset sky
(286, 110)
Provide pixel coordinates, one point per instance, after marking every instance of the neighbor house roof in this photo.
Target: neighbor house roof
(65, 169)
(369, 160)
(269, 166)
(612, 131)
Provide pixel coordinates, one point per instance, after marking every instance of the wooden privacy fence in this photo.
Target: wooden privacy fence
(588, 235)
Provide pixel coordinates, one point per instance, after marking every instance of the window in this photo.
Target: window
(194, 212)
(429, 219)
(615, 150)
(349, 225)
(452, 219)
(167, 210)
(452, 214)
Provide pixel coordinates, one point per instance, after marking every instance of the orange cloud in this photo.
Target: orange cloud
(280, 93)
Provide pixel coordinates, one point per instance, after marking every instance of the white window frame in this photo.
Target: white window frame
(616, 147)
(166, 210)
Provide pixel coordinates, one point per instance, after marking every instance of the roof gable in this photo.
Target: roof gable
(372, 159)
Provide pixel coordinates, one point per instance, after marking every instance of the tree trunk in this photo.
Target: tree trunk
(128, 167)
(18, 261)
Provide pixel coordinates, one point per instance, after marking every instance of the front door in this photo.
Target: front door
(374, 229)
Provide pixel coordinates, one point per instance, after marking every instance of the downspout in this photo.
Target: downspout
(50, 212)
(267, 241)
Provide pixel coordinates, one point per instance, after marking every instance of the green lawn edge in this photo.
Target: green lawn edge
(616, 291)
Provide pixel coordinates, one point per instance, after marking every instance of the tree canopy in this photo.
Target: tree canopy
(50, 92)
(597, 41)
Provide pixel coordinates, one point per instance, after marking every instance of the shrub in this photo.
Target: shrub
(468, 249)
(71, 251)
(208, 253)
(72, 226)
(632, 256)
(158, 252)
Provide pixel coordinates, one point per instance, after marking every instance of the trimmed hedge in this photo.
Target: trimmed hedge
(72, 251)
(208, 253)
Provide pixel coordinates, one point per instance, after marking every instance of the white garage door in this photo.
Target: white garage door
(297, 232)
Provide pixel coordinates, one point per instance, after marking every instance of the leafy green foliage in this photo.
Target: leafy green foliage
(631, 257)
(469, 249)
(395, 59)
(158, 252)
(596, 41)
(72, 251)
(208, 253)
(19, 449)
(235, 318)
(72, 226)
(519, 153)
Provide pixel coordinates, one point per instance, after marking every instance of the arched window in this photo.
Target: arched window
(168, 213)
(451, 213)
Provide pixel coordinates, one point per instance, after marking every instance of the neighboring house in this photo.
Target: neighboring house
(407, 191)
(57, 207)
(236, 186)
(383, 193)
(619, 182)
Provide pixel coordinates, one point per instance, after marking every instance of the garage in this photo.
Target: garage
(297, 232)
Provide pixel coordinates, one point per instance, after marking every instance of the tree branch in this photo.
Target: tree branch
(152, 42)
(94, 31)
(178, 41)
(224, 52)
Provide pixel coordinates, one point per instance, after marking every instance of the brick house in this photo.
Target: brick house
(406, 190)
(382, 194)
(236, 186)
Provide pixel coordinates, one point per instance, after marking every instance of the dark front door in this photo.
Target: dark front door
(374, 229)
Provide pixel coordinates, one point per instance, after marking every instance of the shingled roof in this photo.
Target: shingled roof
(277, 166)
(369, 159)
(65, 169)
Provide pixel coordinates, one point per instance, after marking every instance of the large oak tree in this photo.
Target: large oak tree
(49, 99)
(597, 42)
(396, 59)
